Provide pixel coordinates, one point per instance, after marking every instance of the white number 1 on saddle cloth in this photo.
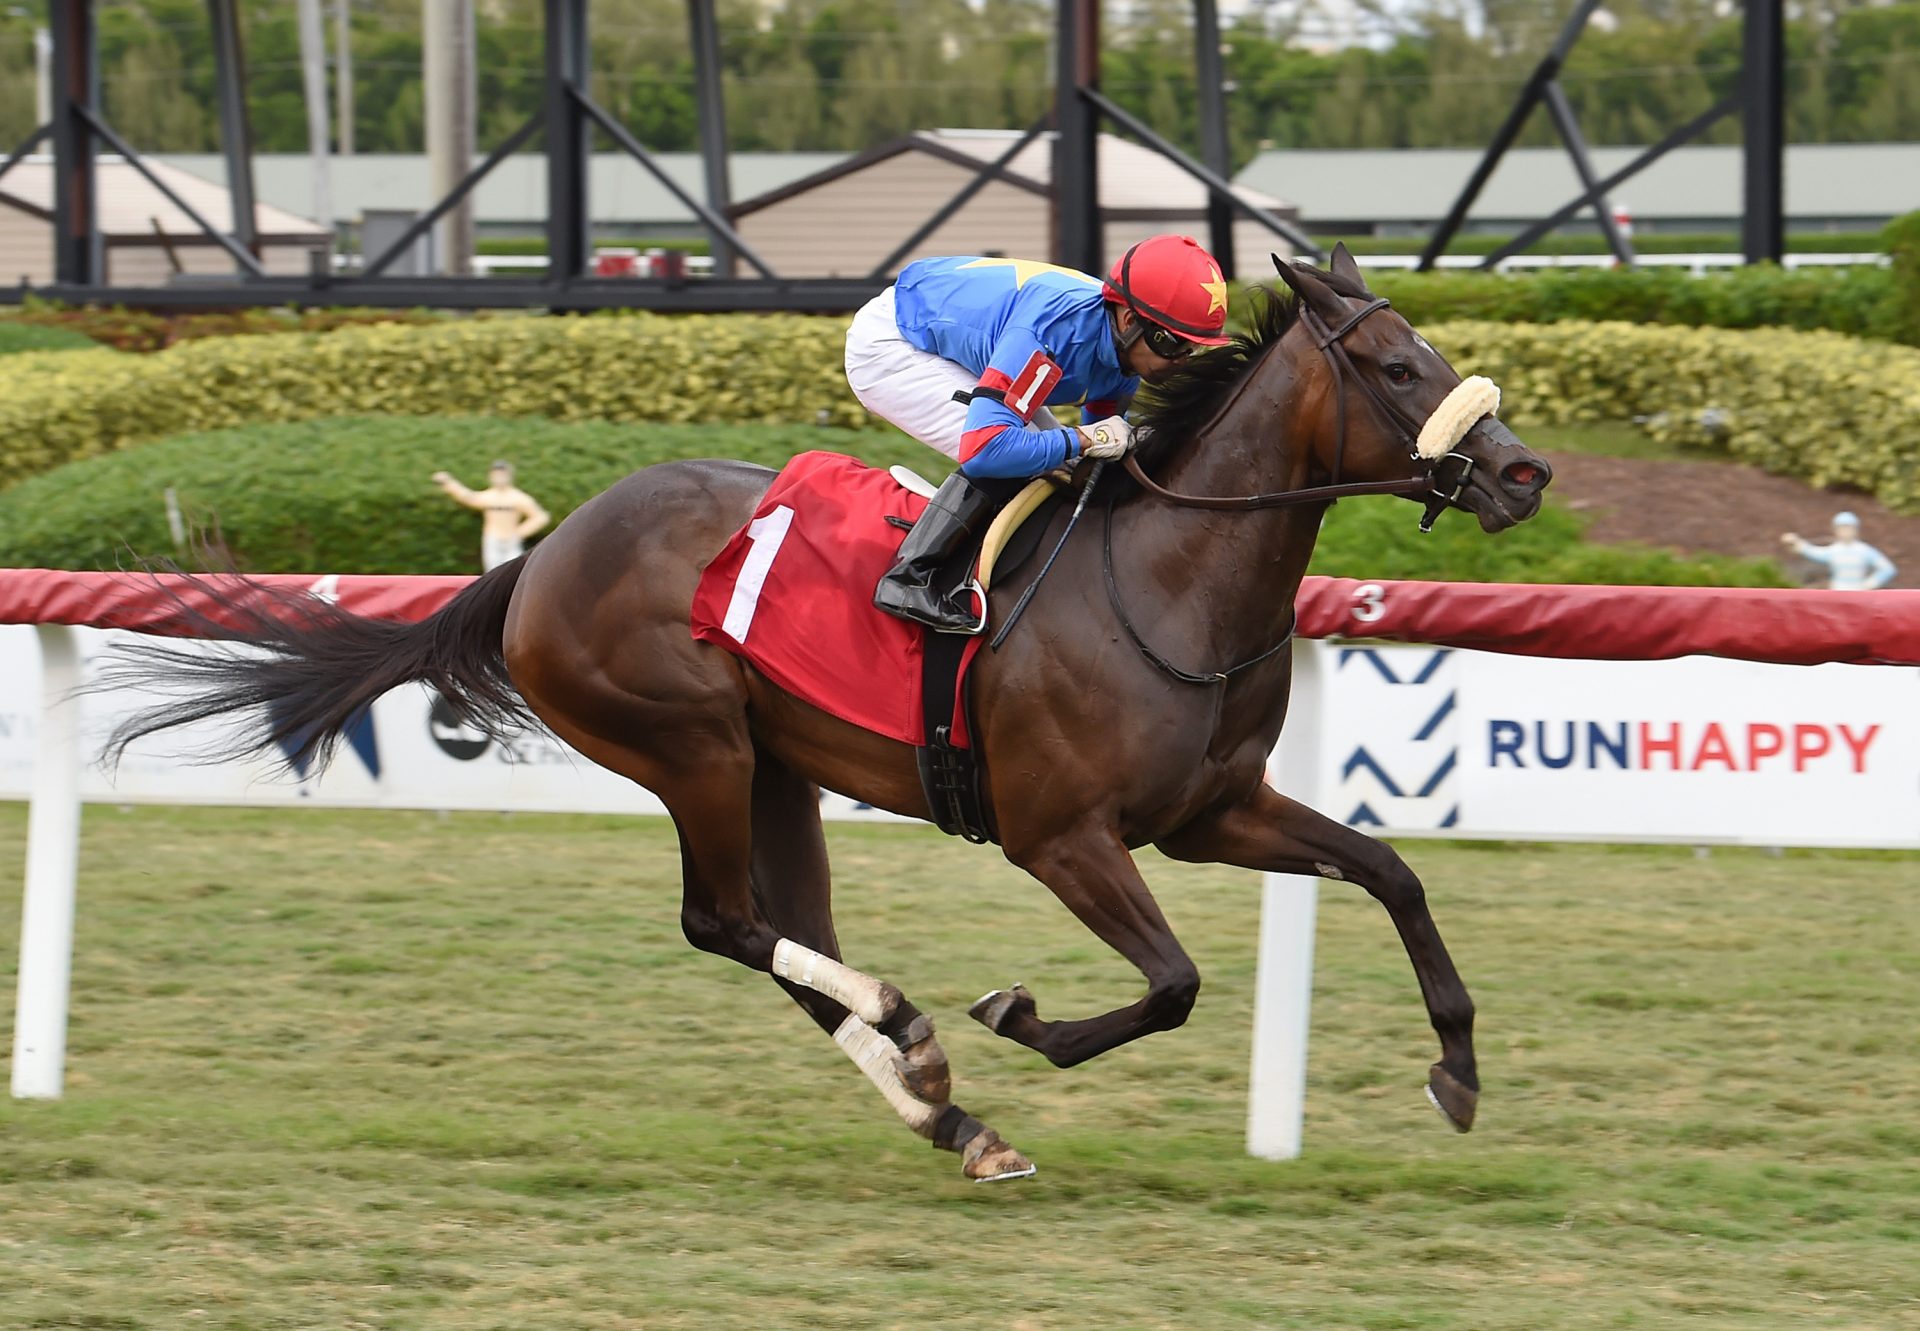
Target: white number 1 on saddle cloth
(767, 533)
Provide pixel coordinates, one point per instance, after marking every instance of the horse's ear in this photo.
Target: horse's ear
(1308, 284)
(1343, 266)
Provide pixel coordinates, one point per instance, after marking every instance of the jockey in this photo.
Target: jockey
(962, 354)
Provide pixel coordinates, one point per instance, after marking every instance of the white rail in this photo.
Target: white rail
(53, 858)
(1697, 265)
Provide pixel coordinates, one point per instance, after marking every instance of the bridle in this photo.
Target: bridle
(1440, 490)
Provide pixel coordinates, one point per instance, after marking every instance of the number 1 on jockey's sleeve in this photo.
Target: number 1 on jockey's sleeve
(999, 441)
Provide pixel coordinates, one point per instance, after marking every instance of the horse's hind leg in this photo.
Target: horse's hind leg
(901, 1056)
(755, 888)
(1270, 832)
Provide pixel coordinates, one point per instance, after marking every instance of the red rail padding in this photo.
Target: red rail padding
(153, 602)
(1622, 623)
(1595, 623)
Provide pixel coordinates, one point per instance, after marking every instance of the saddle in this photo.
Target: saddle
(1009, 542)
(791, 594)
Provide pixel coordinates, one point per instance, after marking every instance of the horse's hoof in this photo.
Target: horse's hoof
(988, 1159)
(992, 1010)
(1452, 1098)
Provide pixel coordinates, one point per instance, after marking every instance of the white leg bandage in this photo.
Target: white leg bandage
(1470, 399)
(859, 994)
(874, 1054)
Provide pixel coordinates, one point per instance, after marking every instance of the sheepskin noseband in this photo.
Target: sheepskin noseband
(1467, 403)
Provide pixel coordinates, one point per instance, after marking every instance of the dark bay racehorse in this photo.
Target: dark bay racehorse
(1135, 706)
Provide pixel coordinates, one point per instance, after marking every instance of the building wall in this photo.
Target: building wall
(148, 265)
(26, 254)
(845, 226)
(26, 248)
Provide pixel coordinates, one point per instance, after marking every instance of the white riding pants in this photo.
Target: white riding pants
(902, 384)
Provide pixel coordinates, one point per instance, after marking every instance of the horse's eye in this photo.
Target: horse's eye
(1399, 372)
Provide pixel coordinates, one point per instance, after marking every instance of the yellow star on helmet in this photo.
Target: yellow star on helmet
(1216, 292)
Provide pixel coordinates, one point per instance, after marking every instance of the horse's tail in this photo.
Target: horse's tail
(310, 668)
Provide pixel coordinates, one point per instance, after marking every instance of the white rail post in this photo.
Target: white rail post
(1283, 989)
(53, 854)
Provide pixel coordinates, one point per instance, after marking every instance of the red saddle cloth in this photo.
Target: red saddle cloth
(792, 593)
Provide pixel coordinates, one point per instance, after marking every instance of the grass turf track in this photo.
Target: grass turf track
(391, 1070)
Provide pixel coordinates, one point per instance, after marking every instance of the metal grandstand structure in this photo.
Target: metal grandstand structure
(569, 117)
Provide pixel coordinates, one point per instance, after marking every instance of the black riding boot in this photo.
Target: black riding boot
(955, 513)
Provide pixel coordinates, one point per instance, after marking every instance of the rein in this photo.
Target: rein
(1165, 666)
(1440, 491)
(1411, 485)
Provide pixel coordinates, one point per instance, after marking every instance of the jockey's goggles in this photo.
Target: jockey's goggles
(1164, 342)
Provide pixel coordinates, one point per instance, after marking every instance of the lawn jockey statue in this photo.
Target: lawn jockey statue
(508, 514)
(1852, 564)
(963, 353)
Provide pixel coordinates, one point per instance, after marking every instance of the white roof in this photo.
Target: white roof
(1866, 180)
(1132, 178)
(619, 189)
(129, 205)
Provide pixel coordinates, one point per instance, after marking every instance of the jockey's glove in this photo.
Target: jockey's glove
(1109, 438)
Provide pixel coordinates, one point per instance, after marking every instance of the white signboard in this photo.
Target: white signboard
(1694, 749)
(406, 753)
(1477, 744)
(1414, 741)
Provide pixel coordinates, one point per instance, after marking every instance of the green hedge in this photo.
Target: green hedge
(1371, 538)
(352, 496)
(1831, 410)
(1902, 238)
(146, 330)
(17, 336)
(1590, 241)
(635, 367)
(1863, 302)
(1871, 302)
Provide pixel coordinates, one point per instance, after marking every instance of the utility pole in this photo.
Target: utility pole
(1763, 86)
(343, 76)
(711, 112)
(42, 76)
(1215, 149)
(236, 131)
(313, 70)
(1078, 221)
(448, 81)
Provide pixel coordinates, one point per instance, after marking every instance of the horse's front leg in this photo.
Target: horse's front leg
(1270, 832)
(1092, 874)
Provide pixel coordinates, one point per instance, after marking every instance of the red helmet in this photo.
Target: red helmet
(1173, 282)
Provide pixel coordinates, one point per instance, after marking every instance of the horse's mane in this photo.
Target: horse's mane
(1172, 410)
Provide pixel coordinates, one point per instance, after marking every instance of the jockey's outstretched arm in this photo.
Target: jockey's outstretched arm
(1000, 440)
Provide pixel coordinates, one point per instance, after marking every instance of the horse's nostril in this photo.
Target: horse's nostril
(1525, 475)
